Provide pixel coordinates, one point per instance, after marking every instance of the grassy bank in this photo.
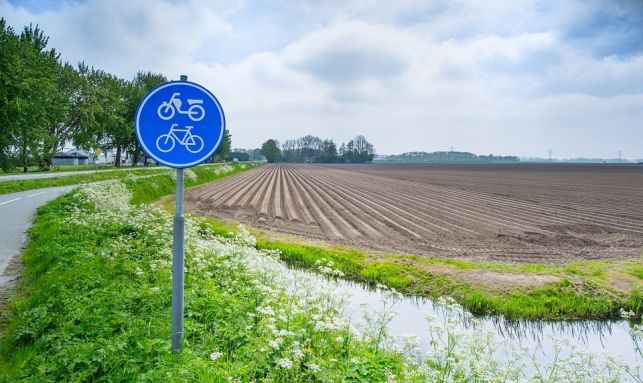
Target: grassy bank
(207, 172)
(94, 305)
(66, 168)
(37, 183)
(576, 290)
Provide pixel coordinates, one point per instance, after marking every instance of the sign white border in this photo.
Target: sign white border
(167, 163)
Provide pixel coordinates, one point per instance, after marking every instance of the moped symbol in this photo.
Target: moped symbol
(167, 109)
(191, 142)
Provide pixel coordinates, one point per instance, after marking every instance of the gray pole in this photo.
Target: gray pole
(178, 242)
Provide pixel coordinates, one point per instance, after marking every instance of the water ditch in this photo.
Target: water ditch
(533, 344)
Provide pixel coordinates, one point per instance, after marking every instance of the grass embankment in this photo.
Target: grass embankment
(12, 186)
(94, 303)
(154, 190)
(66, 168)
(575, 290)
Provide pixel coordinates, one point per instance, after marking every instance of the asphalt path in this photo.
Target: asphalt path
(16, 214)
(32, 176)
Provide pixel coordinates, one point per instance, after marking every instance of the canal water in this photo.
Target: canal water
(536, 339)
(533, 344)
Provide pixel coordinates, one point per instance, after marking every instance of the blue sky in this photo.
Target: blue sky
(504, 77)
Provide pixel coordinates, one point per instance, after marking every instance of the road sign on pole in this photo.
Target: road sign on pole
(179, 124)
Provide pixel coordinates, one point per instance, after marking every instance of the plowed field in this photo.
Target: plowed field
(519, 213)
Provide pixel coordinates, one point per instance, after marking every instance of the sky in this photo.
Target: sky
(504, 77)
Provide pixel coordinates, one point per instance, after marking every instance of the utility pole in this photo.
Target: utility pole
(550, 151)
(451, 151)
(619, 155)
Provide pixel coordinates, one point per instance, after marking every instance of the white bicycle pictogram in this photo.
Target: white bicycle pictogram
(167, 109)
(191, 142)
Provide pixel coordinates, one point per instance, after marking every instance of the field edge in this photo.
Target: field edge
(577, 290)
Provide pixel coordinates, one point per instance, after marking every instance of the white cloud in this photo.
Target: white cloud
(412, 76)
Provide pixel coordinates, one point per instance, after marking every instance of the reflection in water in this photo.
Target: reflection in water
(536, 339)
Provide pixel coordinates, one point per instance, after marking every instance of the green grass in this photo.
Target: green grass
(150, 189)
(67, 168)
(91, 307)
(206, 171)
(589, 298)
(22, 185)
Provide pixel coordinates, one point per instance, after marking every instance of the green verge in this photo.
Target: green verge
(150, 189)
(66, 168)
(22, 185)
(584, 290)
(91, 307)
(205, 173)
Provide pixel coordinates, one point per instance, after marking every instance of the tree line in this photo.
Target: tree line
(46, 103)
(246, 155)
(314, 149)
(447, 157)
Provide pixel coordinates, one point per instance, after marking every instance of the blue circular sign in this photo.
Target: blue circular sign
(179, 124)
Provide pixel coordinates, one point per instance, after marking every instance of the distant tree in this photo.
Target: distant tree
(255, 155)
(341, 152)
(349, 151)
(448, 157)
(357, 150)
(328, 152)
(309, 146)
(364, 151)
(270, 149)
(239, 154)
(289, 148)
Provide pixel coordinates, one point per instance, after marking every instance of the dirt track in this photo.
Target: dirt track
(519, 213)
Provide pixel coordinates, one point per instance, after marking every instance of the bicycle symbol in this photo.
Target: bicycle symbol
(191, 142)
(167, 109)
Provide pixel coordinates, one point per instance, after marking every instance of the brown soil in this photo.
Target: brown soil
(516, 213)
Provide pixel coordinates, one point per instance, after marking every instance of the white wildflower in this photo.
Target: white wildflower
(285, 363)
(215, 355)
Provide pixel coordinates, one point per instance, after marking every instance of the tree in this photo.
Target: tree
(113, 128)
(255, 155)
(224, 150)
(62, 128)
(9, 47)
(142, 83)
(45, 104)
(240, 155)
(30, 98)
(358, 150)
(328, 152)
(364, 151)
(288, 150)
(270, 149)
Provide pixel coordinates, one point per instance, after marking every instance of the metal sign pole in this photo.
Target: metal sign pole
(178, 242)
(177, 265)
